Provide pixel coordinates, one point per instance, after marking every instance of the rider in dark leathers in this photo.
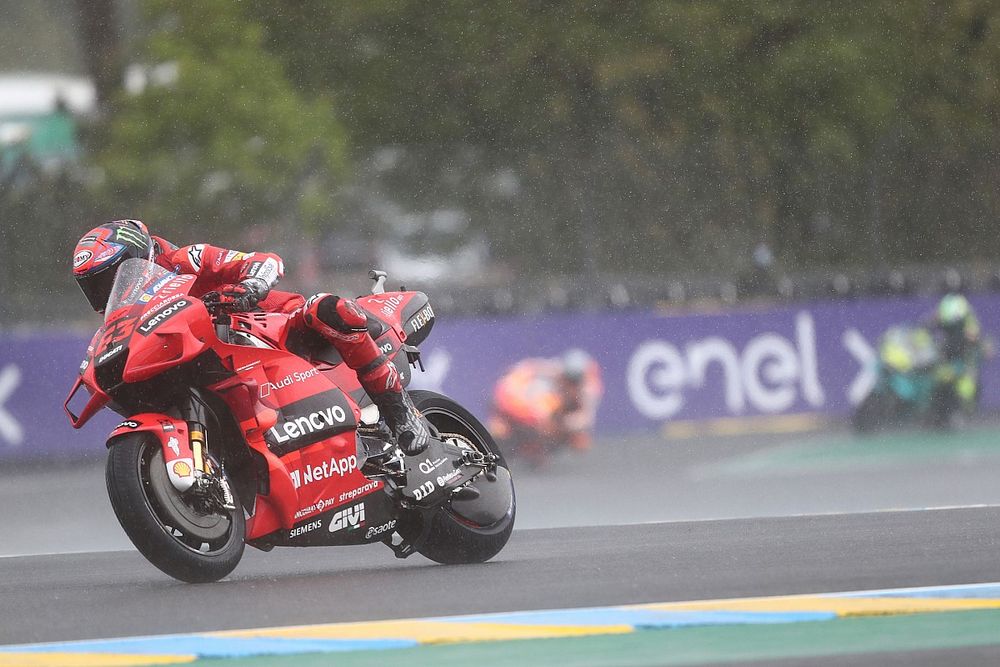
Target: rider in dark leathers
(962, 347)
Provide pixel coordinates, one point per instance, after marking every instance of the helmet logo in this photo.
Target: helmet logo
(80, 258)
(131, 236)
(112, 250)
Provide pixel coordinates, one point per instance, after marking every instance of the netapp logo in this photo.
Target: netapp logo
(310, 420)
(315, 473)
(163, 316)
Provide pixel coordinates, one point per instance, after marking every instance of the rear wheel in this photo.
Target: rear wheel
(463, 531)
(189, 543)
(878, 410)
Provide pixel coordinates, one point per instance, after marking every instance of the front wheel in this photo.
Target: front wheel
(466, 531)
(188, 543)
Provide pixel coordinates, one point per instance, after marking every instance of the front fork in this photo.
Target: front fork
(185, 454)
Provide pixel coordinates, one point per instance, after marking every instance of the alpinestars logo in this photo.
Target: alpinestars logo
(350, 518)
(194, 256)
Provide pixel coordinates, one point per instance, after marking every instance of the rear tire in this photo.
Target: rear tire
(453, 539)
(183, 542)
(877, 411)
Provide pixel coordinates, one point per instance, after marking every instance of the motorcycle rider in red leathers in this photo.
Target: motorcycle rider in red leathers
(242, 281)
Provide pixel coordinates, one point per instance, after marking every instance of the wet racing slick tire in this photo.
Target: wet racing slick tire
(181, 540)
(452, 537)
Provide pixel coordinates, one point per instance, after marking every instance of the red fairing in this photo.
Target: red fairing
(174, 438)
(388, 307)
(299, 414)
(96, 399)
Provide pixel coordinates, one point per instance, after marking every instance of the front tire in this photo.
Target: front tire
(182, 541)
(452, 538)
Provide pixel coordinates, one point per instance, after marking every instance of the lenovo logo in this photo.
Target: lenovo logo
(309, 420)
(314, 422)
(163, 316)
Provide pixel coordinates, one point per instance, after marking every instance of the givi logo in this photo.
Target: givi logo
(350, 518)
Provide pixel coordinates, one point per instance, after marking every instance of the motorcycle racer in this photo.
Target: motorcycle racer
(541, 403)
(962, 347)
(242, 281)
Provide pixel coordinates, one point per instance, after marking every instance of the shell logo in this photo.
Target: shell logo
(182, 469)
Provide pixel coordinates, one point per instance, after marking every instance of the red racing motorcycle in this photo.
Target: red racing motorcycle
(240, 430)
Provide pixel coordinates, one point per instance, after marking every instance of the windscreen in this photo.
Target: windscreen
(134, 279)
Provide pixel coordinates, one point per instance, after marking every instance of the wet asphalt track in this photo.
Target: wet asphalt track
(94, 595)
(569, 550)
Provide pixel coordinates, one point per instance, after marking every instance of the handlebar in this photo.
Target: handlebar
(220, 317)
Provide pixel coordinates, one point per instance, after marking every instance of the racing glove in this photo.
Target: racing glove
(241, 297)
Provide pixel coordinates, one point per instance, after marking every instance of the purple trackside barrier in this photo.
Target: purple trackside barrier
(813, 358)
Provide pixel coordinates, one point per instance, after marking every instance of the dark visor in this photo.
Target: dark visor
(97, 286)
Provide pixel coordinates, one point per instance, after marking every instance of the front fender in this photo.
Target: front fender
(174, 438)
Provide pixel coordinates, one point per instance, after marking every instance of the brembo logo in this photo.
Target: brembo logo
(350, 518)
(163, 316)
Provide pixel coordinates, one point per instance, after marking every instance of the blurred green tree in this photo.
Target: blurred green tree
(213, 135)
(674, 135)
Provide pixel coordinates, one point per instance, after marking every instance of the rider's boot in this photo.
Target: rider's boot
(402, 418)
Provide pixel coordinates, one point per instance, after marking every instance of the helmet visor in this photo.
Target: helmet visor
(97, 287)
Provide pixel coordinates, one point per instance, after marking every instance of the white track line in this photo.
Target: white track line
(893, 510)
